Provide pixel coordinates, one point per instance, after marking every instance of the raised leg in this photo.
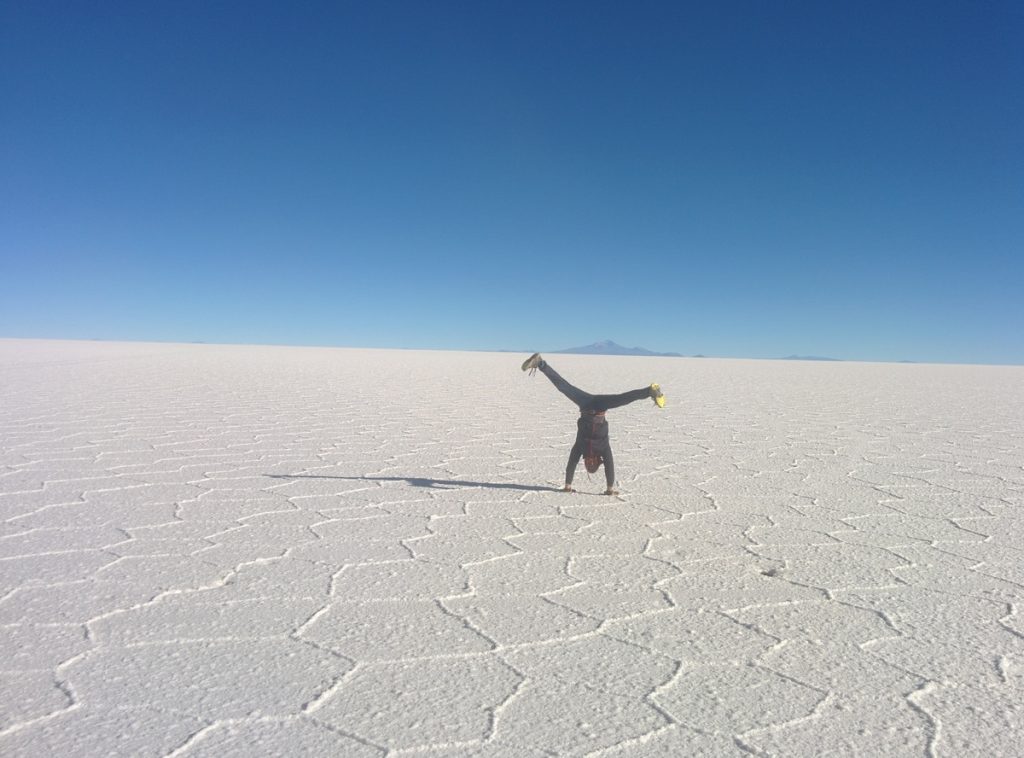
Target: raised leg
(575, 394)
(606, 402)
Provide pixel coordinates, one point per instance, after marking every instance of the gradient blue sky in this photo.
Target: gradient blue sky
(736, 179)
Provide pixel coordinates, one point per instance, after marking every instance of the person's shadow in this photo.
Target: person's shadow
(417, 481)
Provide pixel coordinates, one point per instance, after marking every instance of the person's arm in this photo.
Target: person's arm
(574, 459)
(609, 466)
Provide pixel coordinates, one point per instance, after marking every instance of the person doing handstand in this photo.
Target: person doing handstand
(592, 428)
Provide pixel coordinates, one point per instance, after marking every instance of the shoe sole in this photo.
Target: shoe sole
(528, 361)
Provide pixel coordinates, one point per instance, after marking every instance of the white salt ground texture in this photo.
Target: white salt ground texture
(253, 551)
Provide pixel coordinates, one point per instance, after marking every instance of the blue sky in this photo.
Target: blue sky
(738, 179)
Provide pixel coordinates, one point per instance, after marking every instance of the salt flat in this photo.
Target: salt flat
(217, 550)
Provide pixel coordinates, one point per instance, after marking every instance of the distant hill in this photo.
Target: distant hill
(809, 358)
(607, 347)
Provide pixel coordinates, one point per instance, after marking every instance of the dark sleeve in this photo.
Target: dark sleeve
(574, 458)
(609, 465)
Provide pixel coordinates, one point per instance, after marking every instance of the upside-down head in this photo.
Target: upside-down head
(592, 462)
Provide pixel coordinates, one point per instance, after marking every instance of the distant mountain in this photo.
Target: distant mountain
(808, 358)
(607, 347)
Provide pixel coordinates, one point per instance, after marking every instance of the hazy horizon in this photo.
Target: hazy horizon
(515, 351)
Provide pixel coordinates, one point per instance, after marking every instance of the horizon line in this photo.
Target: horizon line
(696, 356)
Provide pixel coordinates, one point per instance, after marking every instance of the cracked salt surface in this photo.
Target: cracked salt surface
(242, 551)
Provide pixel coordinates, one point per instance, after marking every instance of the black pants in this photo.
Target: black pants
(593, 441)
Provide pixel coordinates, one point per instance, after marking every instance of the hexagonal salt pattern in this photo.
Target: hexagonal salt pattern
(243, 551)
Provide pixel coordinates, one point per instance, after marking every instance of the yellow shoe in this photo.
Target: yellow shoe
(657, 396)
